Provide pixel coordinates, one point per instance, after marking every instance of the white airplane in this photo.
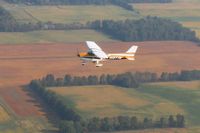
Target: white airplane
(95, 54)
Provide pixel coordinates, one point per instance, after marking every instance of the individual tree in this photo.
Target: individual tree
(171, 121)
(180, 120)
(67, 80)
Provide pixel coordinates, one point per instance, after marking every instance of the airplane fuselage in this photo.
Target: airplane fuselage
(114, 56)
(119, 56)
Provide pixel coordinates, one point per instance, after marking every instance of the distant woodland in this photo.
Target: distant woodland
(149, 1)
(149, 28)
(128, 79)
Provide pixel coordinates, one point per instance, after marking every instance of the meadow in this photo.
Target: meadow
(25, 125)
(113, 101)
(149, 100)
(58, 36)
(175, 10)
(68, 14)
(186, 97)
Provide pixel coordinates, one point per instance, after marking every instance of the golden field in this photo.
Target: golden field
(112, 101)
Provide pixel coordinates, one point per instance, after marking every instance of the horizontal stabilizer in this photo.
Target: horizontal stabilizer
(131, 58)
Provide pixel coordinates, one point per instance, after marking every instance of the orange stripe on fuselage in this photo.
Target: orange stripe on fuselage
(84, 54)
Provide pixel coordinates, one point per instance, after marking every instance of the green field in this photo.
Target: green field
(179, 10)
(112, 101)
(183, 11)
(174, 130)
(25, 125)
(187, 97)
(152, 100)
(68, 14)
(59, 36)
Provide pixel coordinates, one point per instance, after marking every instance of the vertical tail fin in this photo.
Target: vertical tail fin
(132, 49)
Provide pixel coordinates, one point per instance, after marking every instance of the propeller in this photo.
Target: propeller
(78, 52)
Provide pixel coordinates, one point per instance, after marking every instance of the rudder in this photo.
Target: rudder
(132, 49)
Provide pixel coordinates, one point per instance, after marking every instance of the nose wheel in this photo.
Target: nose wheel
(99, 65)
(83, 63)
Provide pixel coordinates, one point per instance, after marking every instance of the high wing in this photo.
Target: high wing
(96, 50)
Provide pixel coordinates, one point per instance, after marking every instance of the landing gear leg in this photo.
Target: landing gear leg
(98, 65)
(83, 63)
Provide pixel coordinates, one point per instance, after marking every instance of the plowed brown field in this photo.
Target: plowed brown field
(21, 63)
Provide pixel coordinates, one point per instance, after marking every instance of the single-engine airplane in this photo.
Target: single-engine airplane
(96, 55)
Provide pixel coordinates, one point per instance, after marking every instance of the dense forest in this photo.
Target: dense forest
(149, 28)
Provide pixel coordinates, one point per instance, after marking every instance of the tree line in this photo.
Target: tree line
(128, 79)
(149, 1)
(73, 123)
(120, 123)
(54, 102)
(149, 28)
(7, 22)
